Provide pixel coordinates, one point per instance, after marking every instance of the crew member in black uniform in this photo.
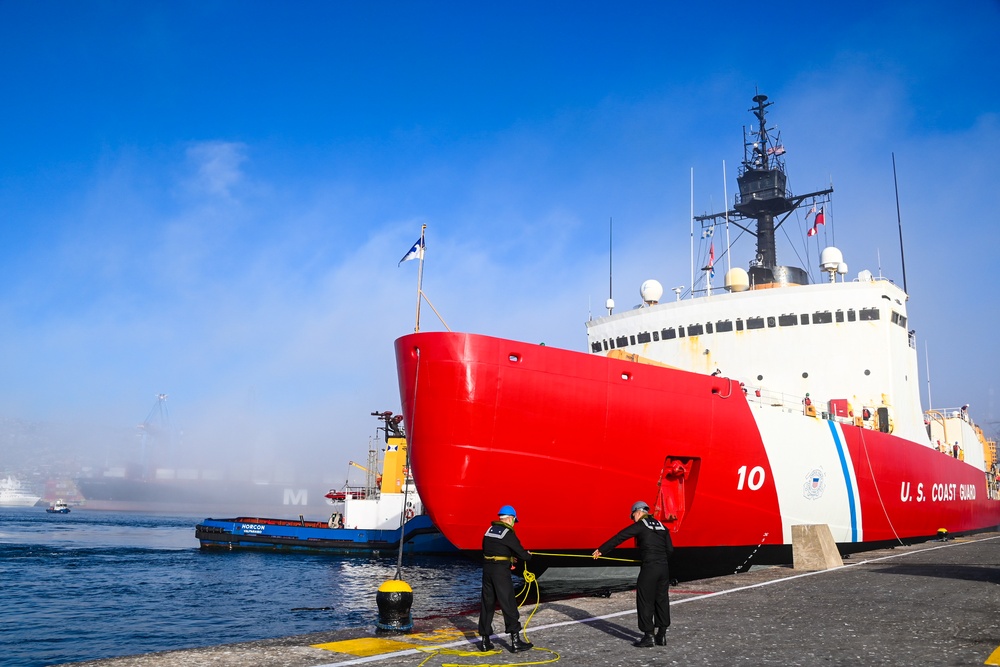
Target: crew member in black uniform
(501, 549)
(652, 601)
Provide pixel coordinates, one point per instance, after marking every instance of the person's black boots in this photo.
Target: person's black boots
(647, 640)
(517, 644)
(487, 644)
(661, 637)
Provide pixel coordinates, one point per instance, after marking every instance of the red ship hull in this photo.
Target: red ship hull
(573, 439)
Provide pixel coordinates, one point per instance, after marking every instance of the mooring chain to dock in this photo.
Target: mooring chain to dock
(756, 549)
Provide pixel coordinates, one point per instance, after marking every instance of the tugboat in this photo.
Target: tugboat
(737, 413)
(58, 507)
(365, 521)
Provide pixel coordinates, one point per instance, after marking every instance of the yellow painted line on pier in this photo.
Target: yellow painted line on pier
(443, 635)
(994, 658)
(367, 646)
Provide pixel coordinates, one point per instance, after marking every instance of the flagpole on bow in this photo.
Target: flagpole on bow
(420, 276)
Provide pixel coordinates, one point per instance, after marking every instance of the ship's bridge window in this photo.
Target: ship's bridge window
(723, 326)
(898, 319)
(605, 346)
(840, 316)
(786, 320)
(611, 343)
(669, 334)
(621, 341)
(643, 337)
(680, 332)
(851, 315)
(804, 318)
(739, 324)
(823, 318)
(656, 335)
(595, 346)
(770, 322)
(708, 327)
(868, 314)
(755, 323)
(695, 330)
(632, 339)
(902, 321)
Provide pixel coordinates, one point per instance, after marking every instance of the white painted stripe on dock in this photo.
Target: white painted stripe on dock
(703, 596)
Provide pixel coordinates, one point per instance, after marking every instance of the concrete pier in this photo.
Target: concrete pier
(934, 603)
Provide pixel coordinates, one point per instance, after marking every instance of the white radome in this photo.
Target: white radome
(830, 259)
(737, 280)
(651, 291)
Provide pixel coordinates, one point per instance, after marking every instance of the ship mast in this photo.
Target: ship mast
(763, 183)
(764, 196)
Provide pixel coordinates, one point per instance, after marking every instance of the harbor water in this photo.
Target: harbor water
(90, 584)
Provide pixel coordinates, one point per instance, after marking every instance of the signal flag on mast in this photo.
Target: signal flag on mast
(820, 220)
(417, 251)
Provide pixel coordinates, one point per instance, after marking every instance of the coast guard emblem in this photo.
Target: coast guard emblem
(815, 484)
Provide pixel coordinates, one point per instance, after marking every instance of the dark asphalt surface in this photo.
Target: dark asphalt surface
(935, 603)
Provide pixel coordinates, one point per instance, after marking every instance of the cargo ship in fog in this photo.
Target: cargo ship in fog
(199, 492)
(146, 486)
(737, 413)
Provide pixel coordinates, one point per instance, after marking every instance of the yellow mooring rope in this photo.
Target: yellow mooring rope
(623, 560)
(529, 580)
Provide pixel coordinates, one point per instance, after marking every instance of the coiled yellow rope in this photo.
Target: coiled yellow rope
(529, 580)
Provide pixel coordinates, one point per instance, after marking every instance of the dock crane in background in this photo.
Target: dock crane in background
(155, 427)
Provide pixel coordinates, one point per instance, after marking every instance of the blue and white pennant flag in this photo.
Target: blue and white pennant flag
(413, 253)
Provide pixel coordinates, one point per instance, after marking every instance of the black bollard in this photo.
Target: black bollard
(394, 599)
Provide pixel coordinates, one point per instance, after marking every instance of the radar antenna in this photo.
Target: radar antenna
(763, 196)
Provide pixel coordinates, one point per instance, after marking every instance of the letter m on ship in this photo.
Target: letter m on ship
(296, 496)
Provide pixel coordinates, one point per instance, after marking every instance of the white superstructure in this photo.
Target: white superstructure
(841, 341)
(14, 494)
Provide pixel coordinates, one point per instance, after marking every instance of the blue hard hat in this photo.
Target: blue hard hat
(507, 510)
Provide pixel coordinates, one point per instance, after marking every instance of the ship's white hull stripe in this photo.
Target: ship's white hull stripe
(849, 477)
(813, 473)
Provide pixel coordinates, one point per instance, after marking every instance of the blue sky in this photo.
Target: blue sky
(210, 199)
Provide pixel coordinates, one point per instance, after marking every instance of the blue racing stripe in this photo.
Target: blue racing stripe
(848, 477)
